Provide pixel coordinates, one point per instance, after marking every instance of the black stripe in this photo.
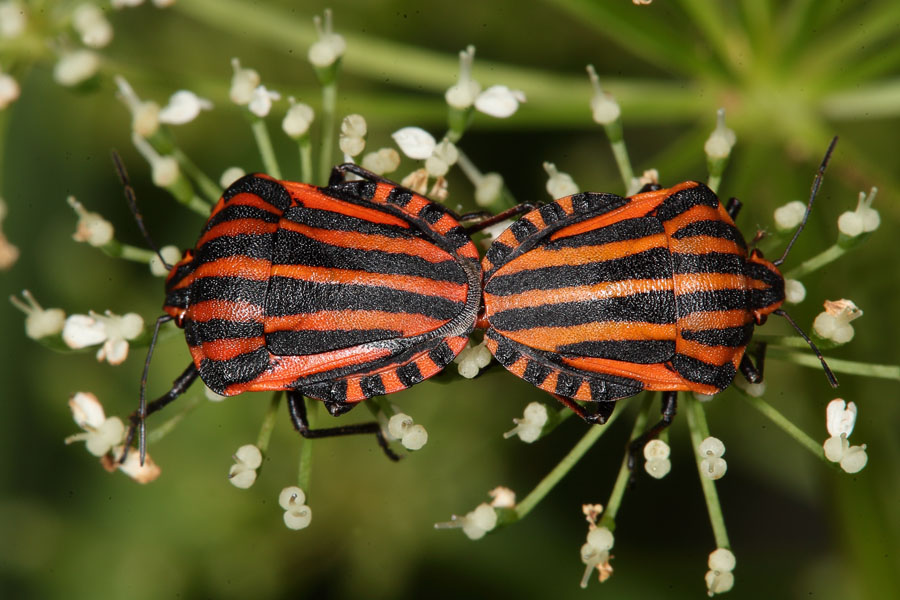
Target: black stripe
(250, 245)
(354, 192)
(233, 212)
(330, 220)
(232, 289)
(399, 196)
(567, 385)
(305, 341)
(591, 203)
(269, 190)
(289, 296)
(409, 374)
(636, 351)
(552, 213)
(711, 262)
(698, 371)
(197, 333)
(293, 248)
(652, 307)
(432, 213)
(712, 228)
(441, 354)
(535, 372)
(219, 374)
(372, 385)
(522, 229)
(629, 229)
(457, 237)
(333, 393)
(733, 337)
(506, 353)
(712, 300)
(650, 264)
(179, 298)
(497, 254)
(684, 200)
(605, 388)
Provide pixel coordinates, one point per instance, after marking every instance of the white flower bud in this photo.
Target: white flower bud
(261, 101)
(247, 459)
(840, 417)
(183, 107)
(604, 108)
(329, 47)
(415, 142)
(794, 291)
(462, 94)
(789, 216)
(243, 83)
(298, 119)
(230, 175)
(656, 449)
(39, 322)
(499, 101)
(171, 254)
(76, 67)
(81, 331)
(864, 219)
(559, 184)
(854, 459)
(711, 448)
(12, 19)
(474, 524)
(385, 160)
(719, 582)
(835, 447)
(164, 169)
(529, 427)
(722, 559)
(399, 424)
(443, 157)
(9, 90)
(488, 189)
(414, 438)
(101, 434)
(472, 359)
(834, 323)
(658, 467)
(91, 227)
(87, 410)
(352, 140)
(721, 140)
(502, 497)
(296, 514)
(90, 23)
(714, 468)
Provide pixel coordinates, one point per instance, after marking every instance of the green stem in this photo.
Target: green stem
(816, 262)
(117, 249)
(696, 419)
(565, 465)
(304, 466)
(625, 474)
(326, 145)
(264, 143)
(787, 426)
(268, 424)
(209, 187)
(620, 152)
(837, 365)
(306, 167)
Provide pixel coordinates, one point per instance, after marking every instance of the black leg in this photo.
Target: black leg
(733, 207)
(754, 373)
(598, 416)
(138, 418)
(297, 409)
(669, 403)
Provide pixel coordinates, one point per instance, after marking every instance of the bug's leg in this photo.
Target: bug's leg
(598, 416)
(482, 220)
(754, 373)
(733, 207)
(297, 409)
(339, 171)
(669, 403)
(138, 418)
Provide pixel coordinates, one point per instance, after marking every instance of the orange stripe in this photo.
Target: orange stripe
(311, 197)
(256, 269)
(707, 282)
(407, 324)
(551, 338)
(714, 355)
(224, 309)
(408, 283)
(702, 244)
(237, 227)
(364, 241)
(719, 319)
(582, 293)
(227, 349)
(541, 257)
(654, 376)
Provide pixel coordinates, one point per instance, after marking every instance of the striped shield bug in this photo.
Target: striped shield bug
(339, 293)
(595, 297)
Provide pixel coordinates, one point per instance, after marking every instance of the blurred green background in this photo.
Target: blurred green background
(790, 75)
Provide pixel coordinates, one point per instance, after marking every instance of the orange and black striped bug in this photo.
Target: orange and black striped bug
(595, 297)
(340, 293)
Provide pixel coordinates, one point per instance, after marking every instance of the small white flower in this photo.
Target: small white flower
(595, 553)
(297, 515)
(529, 427)
(183, 107)
(840, 418)
(91, 227)
(90, 23)
(171, 254)
(298, 119)
(330, 46)
(416, 181)
(402, 427)
(502, 497)
(261, 102)
(243, 83)
(9, 90)
(794, 291)
(789, 216)
(111, 330)
(721, 140)
(385, 160)
(144, 115)
(488, 189)
(75, 67)
(475, 523)
(472, 359)
(559, 184)
(100, 434)
(443, 157)
(656, 453)
(247, 459)
(834, 323)
(12, 19)
(604, 108)
(462, 94)
(864, 219)
(499, 101)
(164, 169)
(854, 459)
(39, 322)
(415, 142)
(230, 175)
(352, 140)
(719, 578)
(713, 465)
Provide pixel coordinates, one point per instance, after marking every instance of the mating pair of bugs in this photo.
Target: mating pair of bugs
(362, 288)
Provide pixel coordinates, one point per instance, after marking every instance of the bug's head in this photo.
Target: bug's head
(177, 284)
(766, 286)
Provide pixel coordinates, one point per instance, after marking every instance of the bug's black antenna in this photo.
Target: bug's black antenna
(820, 174)
(831, 378)
(132, 204)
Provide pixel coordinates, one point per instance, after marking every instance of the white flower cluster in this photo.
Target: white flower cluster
(864, 219)
(112, 332)
(656, 455)
(247, 90)
(720, 142)
(472, 359)
(297, 515)
(497, 101)
(529, 427)
(352, 140)
(834, 323)
(39, 322)
(713, 466)
(595, 553)
(840, 418)
(604, 108)
(719, 578)
(247, 459)
(475, 524)
(559, 184)
(298, 119)
(411, 435)
(330, 46)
